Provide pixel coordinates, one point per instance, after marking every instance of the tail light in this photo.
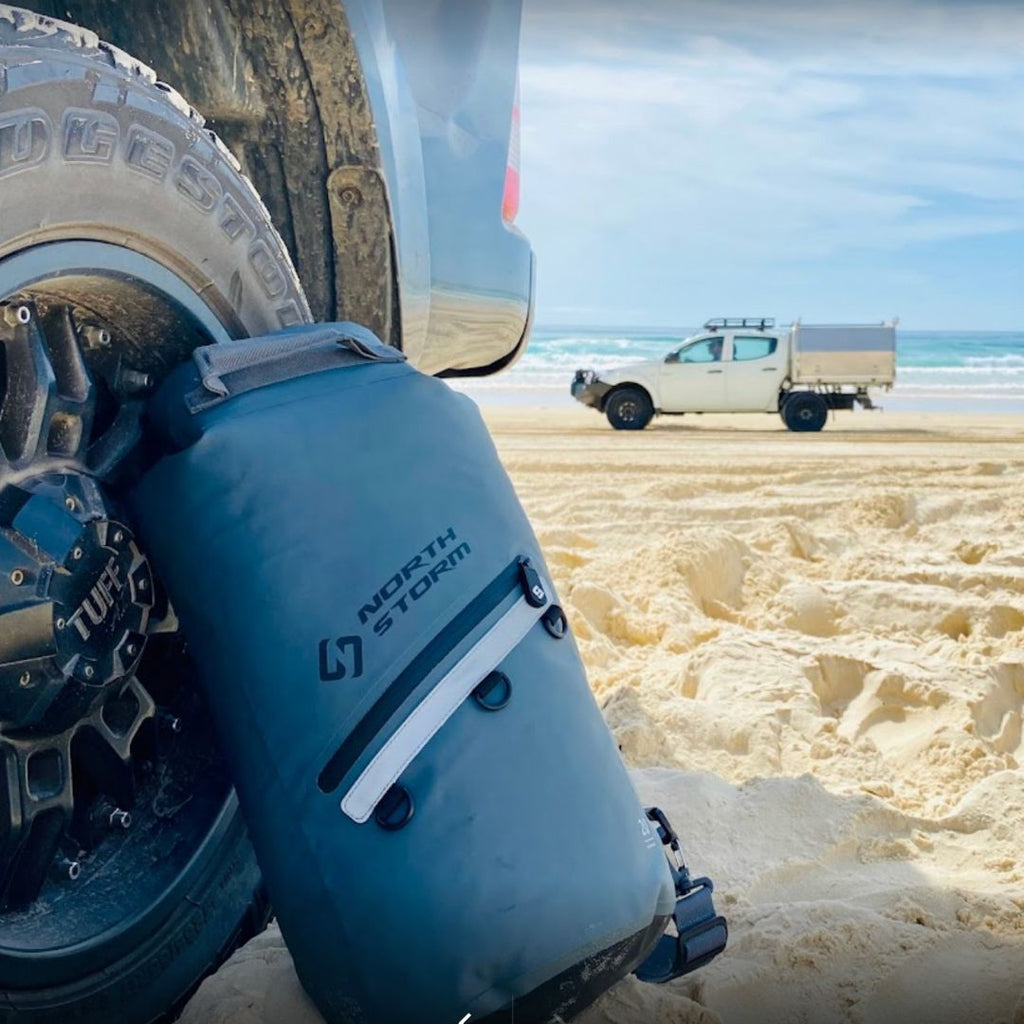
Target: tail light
(510, 200)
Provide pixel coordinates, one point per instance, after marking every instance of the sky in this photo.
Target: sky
(837, 161)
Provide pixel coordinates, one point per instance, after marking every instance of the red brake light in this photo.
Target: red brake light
(510, 200)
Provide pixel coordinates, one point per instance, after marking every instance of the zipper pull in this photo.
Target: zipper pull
(533, 588)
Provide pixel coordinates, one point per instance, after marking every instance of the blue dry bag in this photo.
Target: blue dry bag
(440, 813)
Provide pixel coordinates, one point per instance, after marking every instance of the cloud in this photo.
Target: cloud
(897, 36)
(724, 135)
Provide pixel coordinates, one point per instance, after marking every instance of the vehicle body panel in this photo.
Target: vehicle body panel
(595, 392)
(377, 133)
(444, 76)
(692, 377)
(757, 366)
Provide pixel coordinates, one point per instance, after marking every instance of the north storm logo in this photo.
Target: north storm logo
(414, 580)
(341, 658)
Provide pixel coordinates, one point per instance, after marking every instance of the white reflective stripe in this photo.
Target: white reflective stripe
(437, 707)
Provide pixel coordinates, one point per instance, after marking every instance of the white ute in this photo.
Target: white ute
(745, 364)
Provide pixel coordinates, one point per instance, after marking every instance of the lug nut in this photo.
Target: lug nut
(76, 553)
(70, 504)
(172, 722)
(96, 337)
(15, 316)
(66, 868)
(120, 819)
(118, 537)
(131, 650)
(88, 671)
(60, 623)
(26, 679)
(133, 381)
(17, 577)
(143, 583)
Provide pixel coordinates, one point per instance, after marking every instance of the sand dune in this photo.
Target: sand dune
(811, 652)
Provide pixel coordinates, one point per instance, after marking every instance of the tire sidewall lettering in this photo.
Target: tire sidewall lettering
(200, 186)
(149, 153)
(89, 136)
(146, 973)
(25, 138)
(268, 272)
(95, 137)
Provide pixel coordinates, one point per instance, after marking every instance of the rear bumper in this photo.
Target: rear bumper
(492, 332)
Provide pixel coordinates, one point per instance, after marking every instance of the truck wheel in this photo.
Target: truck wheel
(629, 409)
(127, 237)
(804, 411)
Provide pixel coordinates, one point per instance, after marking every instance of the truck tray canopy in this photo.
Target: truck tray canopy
(844, 353)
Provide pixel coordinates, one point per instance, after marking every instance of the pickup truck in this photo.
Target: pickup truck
(174, 174)
(744, 364)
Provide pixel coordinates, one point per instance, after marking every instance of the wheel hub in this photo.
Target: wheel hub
(76, 597)
(73, 613)
(113, 789)
(106, 605)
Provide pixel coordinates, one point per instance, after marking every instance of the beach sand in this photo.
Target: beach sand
(811, 652)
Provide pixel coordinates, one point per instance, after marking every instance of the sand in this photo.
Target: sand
(811, 652)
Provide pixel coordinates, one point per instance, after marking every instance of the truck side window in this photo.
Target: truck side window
(707, 350)
(753, 348)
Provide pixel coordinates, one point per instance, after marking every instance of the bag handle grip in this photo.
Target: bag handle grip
(232, 368)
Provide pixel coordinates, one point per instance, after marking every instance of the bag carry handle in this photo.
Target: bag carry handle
(232, 368)
(701, 934)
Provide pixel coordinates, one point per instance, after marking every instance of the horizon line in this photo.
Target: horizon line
(677, 329)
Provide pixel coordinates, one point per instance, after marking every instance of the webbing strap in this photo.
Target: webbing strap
(232, 368)
(701, 934)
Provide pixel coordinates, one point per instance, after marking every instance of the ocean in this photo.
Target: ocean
(937, 371)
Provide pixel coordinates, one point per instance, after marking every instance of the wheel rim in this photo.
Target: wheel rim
(628, 410)
(114, 791)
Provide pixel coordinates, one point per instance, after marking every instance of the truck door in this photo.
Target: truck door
(693, 377)
(754, 372)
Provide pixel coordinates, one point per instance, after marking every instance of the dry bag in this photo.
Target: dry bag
(440, 813)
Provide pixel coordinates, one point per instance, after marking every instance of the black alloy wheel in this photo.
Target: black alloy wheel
(128, 236)
(804, 411)
(629, 408)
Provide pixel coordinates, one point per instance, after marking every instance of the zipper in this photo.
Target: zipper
(406, 742)
(493, 645)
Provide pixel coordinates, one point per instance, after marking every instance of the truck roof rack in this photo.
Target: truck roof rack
(727, 322)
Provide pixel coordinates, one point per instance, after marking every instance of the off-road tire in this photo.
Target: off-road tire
(93, 148)
(629, 408)
(804, 411)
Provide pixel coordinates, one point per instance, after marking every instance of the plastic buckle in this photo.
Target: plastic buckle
(670, 838)
(701, 934)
